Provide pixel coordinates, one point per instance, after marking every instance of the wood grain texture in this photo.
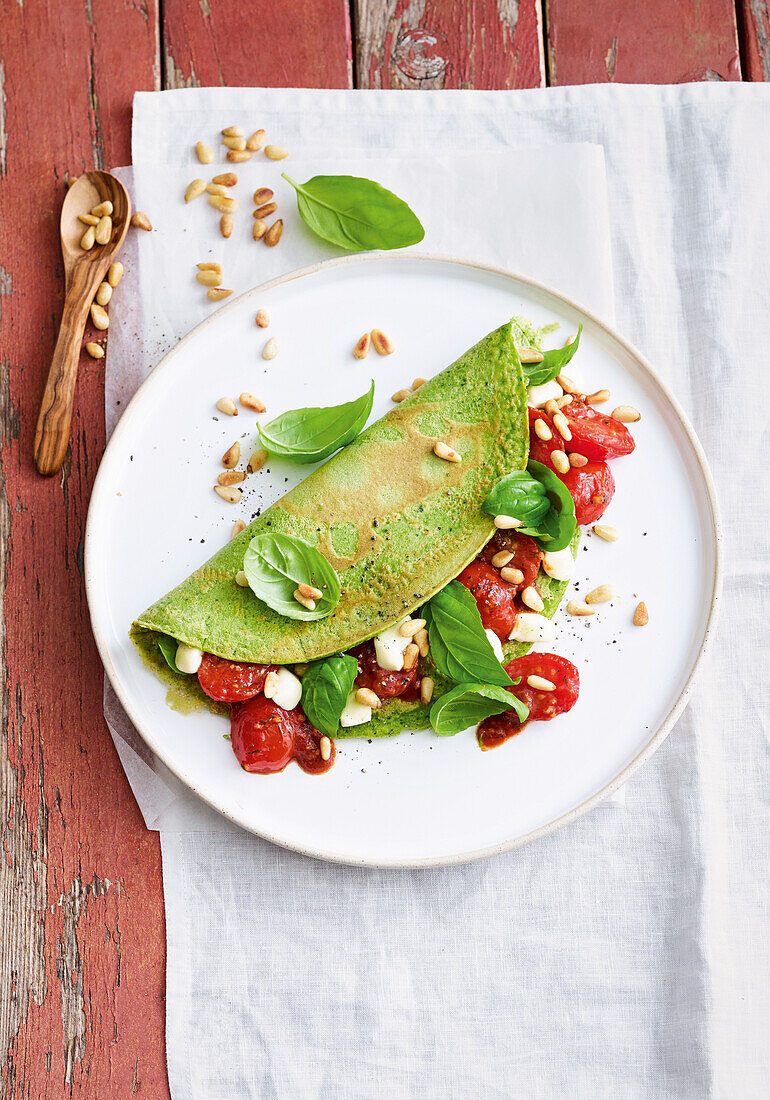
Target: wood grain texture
(82, 942)
(754, 27)
(421, 44)
(657, 42)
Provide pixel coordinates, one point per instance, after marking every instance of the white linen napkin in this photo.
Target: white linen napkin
(625, 956)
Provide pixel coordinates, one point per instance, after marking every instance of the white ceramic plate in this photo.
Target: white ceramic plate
(416, 799)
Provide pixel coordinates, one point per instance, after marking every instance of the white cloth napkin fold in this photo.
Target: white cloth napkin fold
(627, 955)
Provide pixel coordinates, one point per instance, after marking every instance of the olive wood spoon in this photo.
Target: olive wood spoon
(83, 272)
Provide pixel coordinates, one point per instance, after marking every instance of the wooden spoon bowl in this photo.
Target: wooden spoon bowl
(83, 272)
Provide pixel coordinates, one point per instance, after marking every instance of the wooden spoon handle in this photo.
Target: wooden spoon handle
(52, 433)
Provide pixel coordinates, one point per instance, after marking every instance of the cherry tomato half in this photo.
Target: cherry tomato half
(495, 598)
(231, 681)
(592, 488)
(543, 705)
(384, 683)
(262, 735)
(542, 449)
(526, 554)
(595, 434)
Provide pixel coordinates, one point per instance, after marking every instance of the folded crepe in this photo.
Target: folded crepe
(395, 522)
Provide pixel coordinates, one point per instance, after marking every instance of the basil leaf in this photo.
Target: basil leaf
(308, 435)
(554, 362)
(275, 564)
(557, 526)
(168, 647)
(356, 213)
(540, 499)
(458, 645)
(325, 689)
(468, 704)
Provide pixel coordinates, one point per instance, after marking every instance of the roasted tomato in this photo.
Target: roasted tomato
(541, 449)
(595, 434)
(592, 488)
(495, 598)
(526, 554)
(262, 735)
(384, 684)
(543, 705)
(231, 681)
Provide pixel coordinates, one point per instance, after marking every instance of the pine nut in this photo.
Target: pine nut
(578, 461)
(249, 401)
(400, 395)
(258, 230)
(532, 598)
(88, 239)
(325, 748)
(234, 141)
(231, 477)
(99, 317)
(216, 189)
(226, 405)
(566, 383)
(256, 141)
(204, 152)
(88, 219)
(96, 351)
(304, 600)
(226, 225)
(368, 698)
(598, 398)
(115, 274)
(240, 577)
(210, 266)
(232, 131)
(103, 231)
(383, 345)
(507, 523)
(551, 407)
(560, 462)
(626, 414)
(418, 382)
(238, 156)
(411, 627)
(309, 591)
(422, 641)
(542, 431)
(411, 653)
(217, 293)
(602, 594)
(223, 203)
(226, 179)
(501, 558)
(262, 195)
(275, 152)
(441, 450)
(641, 618)
(565, 399)
(103, 294)
(257, 461)
(530, 355)
(262, 318)
(238, 526)
(574, 607)
(361, 350)
(194, 188)
(604, 531)
(562, 427)
(231, 493)
(511, 574)
(209, 278)
(231, 456)
(141, 221)
(102, 209)
(271, 348)
(273, 235)
(426, 690)
(270, 685)
(266, 210)
(539, 683)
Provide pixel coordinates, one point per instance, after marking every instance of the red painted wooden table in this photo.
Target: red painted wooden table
(81, 906)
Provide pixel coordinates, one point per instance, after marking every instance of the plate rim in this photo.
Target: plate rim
(100, 489)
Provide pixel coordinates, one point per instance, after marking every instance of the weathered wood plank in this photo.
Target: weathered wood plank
(658, 42)
(82, 947)
(448, 44)
(754, 26)
(274, 45)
